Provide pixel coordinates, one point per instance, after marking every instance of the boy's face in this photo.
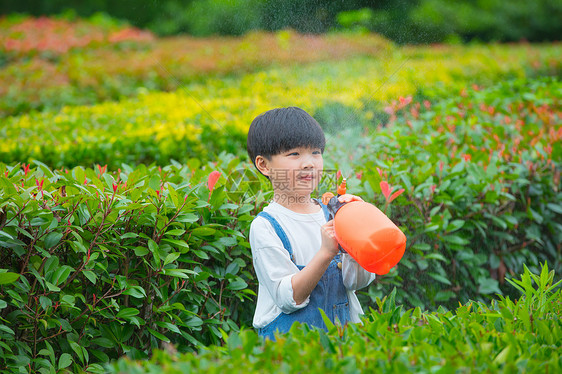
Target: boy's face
(294, 172)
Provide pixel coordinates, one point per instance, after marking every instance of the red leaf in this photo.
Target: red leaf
(212, 180)
(396, 194)
(385, 188)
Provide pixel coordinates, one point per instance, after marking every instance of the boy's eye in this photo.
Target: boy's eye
(293, 154)
(316, 152)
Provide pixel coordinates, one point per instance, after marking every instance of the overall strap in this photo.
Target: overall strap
(280, 232)
(327, 213)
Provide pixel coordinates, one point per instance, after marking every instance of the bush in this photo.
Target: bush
(97, 264)
(503, 336)
(478, 183)
(48, 63)
(482, 188)
(437, 21)
(223, 17)
(193, 121)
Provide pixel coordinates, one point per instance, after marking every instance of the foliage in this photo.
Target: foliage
(47, 63)
(405, 21)
(503, 336)
(475, 184)
(434, 21)
(481, 173)
(222, 17)
(192, 121)
(98, 264)
(50, 37)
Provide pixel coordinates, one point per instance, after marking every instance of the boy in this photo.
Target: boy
(294, 250)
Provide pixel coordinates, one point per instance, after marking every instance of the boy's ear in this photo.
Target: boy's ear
(262, 165)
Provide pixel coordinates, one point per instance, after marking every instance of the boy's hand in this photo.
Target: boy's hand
(329, 243)
(347, 198)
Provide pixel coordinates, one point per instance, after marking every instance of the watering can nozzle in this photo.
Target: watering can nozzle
(342, 188)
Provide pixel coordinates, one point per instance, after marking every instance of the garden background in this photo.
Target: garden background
(126, 194)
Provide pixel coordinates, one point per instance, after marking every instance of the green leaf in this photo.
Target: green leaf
(45, 302)
(203, 231)
(169, 326)
(455, 225)
(6, 278)
(78, 350)
(135, 291)
(176, 243)
(158, 335)
(92, 277)
(141, 251)
(326, 320)
(436, 256)
(557, 208)
(127, 313)
(175, 232)
(6, 329)
(61, 274)
(174, 196)
(52, 239)
(502, 356)
(154, 182)
(444, 296)
(179, 273)
(153, 247)
(64, 361)
(79, 174)
(103, 342)
(237, 284)
(455, 239)
(488, 286)
(129, 235)
(171, 258)
(440, 278)
(187, 218)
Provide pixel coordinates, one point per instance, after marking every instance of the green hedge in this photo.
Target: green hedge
(191, 122)
(505, 336)
(99, 263)
(481, 173)
(406, 21)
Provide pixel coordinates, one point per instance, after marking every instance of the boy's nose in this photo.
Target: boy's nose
(307, 163)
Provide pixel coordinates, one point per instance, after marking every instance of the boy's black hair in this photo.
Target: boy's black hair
(279, 130)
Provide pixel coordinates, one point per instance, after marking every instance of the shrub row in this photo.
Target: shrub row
(420, 21)
(504, 336)
(99, 263)
(47, 63)
(481, 174)
(193, 121)
(50, 37)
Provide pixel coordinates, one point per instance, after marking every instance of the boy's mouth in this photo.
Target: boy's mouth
(305, 177)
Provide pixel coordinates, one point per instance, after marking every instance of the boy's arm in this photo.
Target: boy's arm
(304, 281)
(273, 265)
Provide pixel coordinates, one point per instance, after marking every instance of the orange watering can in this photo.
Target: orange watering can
(366, 233)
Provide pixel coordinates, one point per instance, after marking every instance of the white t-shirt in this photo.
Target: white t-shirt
(275, 269)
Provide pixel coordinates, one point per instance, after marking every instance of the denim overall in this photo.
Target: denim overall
(329, 294)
